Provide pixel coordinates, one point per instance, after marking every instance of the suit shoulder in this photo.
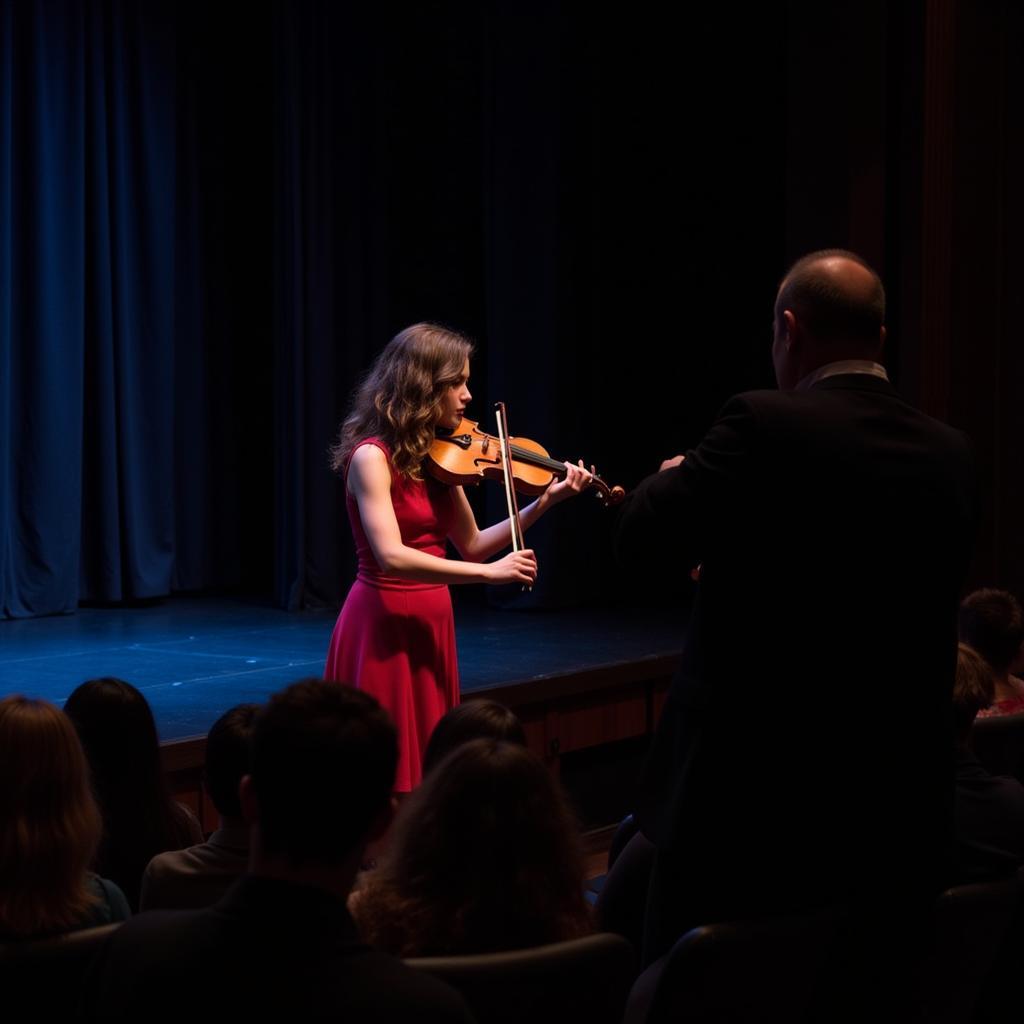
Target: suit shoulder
(838, 413)
(954, 437)
(764, 405)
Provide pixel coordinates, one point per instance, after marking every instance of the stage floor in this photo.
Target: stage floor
(196, 657)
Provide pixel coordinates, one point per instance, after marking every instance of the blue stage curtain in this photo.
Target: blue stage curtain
(328, 277)
(87, 304)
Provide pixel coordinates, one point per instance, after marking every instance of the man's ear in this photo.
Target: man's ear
(793, 330)
(881, 344)
(247, 798)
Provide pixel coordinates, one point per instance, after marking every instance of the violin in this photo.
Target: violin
(468, 455)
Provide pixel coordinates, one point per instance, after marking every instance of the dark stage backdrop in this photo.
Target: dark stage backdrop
(601, 215)
(212, 218)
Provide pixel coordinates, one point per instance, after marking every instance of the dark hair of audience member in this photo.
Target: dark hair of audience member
(140, 818)
(992, 622)
(49, 823)
(473, 720)
(973, 689)
(323, 767)
(484, 857)
(227, 757)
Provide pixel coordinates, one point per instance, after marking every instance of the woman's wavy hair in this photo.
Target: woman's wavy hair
(401, 398)
(485, 857)
(50, 825)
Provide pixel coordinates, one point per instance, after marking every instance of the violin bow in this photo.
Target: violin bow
(515, 526)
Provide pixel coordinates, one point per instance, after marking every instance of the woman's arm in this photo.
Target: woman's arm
(476, 545)
(369, 481)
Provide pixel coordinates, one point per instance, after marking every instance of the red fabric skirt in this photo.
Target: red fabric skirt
(399, 646)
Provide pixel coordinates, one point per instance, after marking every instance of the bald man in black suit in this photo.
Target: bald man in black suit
(804, 754)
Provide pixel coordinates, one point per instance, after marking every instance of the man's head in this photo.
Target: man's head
(323, 766)
(992, 622)
(830, 306)
(973, 689)
(227, 757)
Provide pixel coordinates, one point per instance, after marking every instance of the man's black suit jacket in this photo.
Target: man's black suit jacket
(806, 746)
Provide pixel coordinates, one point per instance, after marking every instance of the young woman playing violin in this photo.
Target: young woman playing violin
(395, 636)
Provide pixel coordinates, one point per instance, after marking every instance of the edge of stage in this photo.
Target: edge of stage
(579, 679)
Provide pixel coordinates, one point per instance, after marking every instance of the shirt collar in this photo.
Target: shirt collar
(842, 366)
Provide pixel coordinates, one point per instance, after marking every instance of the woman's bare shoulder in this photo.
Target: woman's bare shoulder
(368, 468)
(370, 452)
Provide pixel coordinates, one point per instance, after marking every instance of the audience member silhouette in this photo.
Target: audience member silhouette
(473, 720)
(281, 944)
(49, 828)
(200, 875)
(140, 818)
(992, 622)
(989, 808)
(484, 857)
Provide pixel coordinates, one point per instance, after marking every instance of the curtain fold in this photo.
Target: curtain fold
(128, 333)
(43, 326)
(331, 272)
(87, 316)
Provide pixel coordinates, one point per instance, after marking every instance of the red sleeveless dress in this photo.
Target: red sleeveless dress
(395, 638)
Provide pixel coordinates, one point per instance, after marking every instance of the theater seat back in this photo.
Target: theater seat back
(583, 980)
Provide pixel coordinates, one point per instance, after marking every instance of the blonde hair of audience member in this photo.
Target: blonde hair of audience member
(484, 857)
(973, 689)
(50, 825)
